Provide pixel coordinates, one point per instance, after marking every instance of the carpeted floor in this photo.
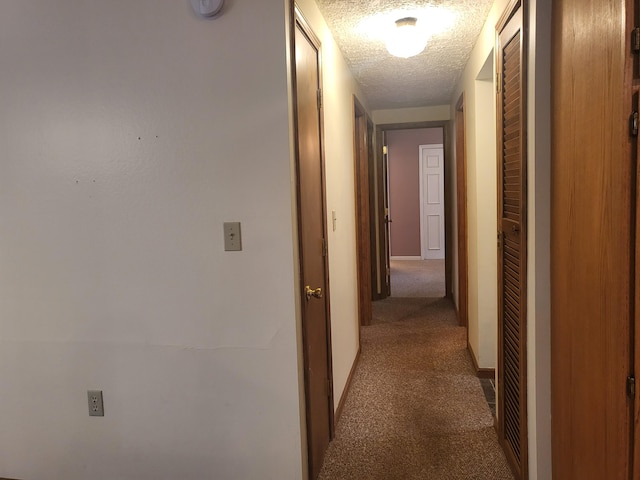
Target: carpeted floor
(417, 278)
(415, 409)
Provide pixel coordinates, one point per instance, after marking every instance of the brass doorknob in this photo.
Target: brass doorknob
(317, 293)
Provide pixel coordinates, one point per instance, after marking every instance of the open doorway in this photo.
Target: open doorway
(415, 185)
(371, 154)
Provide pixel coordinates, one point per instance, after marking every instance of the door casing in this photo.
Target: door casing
(365, 211)
(461, 201)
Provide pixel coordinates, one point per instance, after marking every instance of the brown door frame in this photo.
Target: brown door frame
(446, 126)
(365, 220)
(297, 20)
(461, 196)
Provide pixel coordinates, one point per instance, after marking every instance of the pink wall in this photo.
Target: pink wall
(404, 187)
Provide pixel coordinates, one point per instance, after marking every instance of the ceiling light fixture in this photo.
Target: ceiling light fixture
(406, 40)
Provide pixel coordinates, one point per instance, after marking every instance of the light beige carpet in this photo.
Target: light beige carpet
(415, 409)
(417, 278)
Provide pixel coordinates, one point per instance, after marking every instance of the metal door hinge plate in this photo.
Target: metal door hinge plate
(635, 40)
(633, 124)
(631, 387)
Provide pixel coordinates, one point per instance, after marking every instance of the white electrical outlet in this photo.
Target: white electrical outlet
(96, 407)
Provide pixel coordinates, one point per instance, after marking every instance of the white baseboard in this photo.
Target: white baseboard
(407, 258)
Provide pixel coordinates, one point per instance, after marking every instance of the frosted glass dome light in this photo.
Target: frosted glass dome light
(406, 39)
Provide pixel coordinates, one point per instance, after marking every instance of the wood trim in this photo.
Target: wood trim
(362, 177)
(480, 372)
(632, 88)
(461, 200)
(347, 386)
(381, 200)
(489, 373)
(371, 167)
(508, 12)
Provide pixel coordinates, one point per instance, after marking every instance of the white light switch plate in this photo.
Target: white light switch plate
(232, 237)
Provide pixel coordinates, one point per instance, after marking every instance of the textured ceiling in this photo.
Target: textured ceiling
(427, 79)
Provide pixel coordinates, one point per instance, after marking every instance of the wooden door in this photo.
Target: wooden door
(313, 248)
(432, 201)
(512, 245)
(592, 240)
(461, 199)
(364, 236)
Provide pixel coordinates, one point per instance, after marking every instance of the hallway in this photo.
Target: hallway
(415, 409)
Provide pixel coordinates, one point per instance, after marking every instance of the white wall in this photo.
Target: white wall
(483, 209)
(481, 192)
(338, 90)
(130, 132)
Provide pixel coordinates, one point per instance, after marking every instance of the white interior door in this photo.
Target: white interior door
(432, 201)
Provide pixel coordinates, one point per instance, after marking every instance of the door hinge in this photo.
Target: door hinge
(633, 124)
(499, 239)
(631, 387)
(324, 247)
(497, 82)
(328, 387)
(635, 40)
(319, 98)
(388, 271)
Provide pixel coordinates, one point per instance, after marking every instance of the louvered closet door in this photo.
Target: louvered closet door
(512, 245)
